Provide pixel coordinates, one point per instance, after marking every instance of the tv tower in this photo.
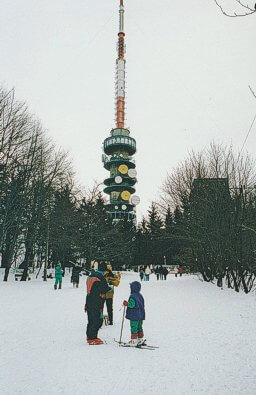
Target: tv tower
(119, 148)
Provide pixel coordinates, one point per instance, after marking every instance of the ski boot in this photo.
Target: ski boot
(141, 339)
(95, 342)
(133, 342)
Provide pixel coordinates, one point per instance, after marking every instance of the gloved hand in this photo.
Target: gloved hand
(125, 303)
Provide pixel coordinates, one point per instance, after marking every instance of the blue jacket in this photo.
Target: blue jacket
(138, 312)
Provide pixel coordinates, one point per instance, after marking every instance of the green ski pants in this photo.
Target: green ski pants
(136, 327)
(58, 281)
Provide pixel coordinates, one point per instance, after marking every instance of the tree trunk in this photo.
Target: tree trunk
(7, 261)
(28, 262)
(205, 277)
(24, 274)
(228, 279)
(244, 284)
(6, 273)
(220, 282)
(235, 281)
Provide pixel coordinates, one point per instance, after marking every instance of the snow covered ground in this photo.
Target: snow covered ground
(207, 341)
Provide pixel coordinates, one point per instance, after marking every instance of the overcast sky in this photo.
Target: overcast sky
(188, 71)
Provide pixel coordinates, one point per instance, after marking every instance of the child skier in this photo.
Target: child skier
(135, 313)
(58, 275)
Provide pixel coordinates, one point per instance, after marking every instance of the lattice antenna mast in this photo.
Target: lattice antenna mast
(120, 71)
(120, 147)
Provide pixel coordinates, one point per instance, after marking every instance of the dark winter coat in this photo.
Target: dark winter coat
(138, 312)
(97, 287)
(75, 274)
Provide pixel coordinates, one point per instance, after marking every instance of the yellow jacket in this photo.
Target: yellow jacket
(115, 281)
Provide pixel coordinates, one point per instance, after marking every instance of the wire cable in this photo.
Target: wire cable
(249, 131)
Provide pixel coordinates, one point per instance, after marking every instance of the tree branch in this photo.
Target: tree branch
(245, 6)
(248, 228)
(249, 11)
(252, 92)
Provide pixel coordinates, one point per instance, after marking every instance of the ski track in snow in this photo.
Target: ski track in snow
(206, 337)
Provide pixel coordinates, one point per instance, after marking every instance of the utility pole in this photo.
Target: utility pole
(47, 242)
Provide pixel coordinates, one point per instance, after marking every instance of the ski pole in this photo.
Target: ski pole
(122, 325)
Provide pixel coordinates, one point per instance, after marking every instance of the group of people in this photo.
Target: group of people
(100, 285)
(178, 270)
(100, 289)
(145, 272)
(161, 272)
(75, 276)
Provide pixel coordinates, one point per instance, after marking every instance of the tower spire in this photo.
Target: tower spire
(120, 147)
(120, 71)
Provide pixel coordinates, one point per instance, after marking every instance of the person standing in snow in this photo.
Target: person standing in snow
(75, 276)
(135, 313)
(142, 274)
(160, 270)
(147, 273)
(157, 272)
(180, 270)
(58, 275)
(113, 281)
(165, 272)
(97, 287)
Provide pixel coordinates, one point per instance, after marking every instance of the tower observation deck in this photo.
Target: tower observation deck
(120, 147)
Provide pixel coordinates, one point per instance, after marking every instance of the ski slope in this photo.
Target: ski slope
(207, 341)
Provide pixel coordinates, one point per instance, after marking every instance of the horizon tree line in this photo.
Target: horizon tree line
(205, 217)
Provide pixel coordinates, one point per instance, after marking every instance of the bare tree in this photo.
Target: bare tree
(216, 191)
(215, 162)
(245, 9)
(30, 169)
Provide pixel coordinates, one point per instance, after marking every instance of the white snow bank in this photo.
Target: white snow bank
(206, 337)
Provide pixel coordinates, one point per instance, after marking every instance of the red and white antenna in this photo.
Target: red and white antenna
(120, 71)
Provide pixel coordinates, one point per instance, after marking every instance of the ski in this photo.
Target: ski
(141, 346)
(138, 347)
(148, 345)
